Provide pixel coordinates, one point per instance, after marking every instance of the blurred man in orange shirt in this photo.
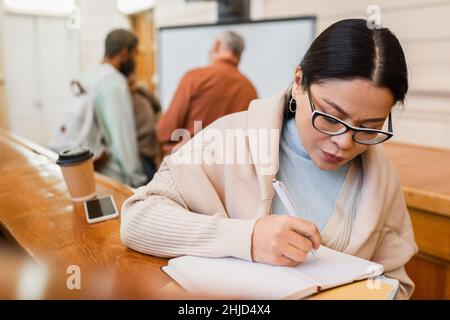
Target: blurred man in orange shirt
(208, 93)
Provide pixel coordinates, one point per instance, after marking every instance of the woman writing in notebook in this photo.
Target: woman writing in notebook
(322, 138)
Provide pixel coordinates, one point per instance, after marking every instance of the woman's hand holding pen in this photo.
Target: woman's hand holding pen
(283, 240)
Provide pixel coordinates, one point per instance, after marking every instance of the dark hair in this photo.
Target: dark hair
(118, 39)
(348, 50)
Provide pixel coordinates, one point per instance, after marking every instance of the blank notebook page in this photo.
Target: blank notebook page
(333, 268)
(235, 277)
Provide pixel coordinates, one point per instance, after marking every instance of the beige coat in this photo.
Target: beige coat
(209, 209)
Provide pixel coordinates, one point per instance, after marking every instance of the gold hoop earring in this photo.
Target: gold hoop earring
(292, 105)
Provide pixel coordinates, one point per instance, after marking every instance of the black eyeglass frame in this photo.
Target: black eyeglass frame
(315, 113)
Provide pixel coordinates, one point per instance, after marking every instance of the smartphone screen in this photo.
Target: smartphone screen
(101, 207)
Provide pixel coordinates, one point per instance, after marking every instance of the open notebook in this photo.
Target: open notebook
(239, 279)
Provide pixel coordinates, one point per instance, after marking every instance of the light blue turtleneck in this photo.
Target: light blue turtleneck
(313, 190)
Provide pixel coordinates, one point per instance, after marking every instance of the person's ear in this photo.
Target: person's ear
(297, 81)
(298, 76)
(214, 50)
(123, 54)
(133, 53)
(217, 45)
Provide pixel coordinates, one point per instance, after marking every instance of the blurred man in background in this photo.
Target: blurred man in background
(206, 94)
(146, 110)
(114, 110)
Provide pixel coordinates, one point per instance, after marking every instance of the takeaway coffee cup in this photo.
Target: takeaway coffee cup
(77, 166)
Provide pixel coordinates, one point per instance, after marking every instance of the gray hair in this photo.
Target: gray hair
(232, 41)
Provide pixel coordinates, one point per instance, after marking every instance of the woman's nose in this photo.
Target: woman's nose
(344, 141)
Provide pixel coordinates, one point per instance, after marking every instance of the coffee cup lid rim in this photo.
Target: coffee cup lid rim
(73, 156)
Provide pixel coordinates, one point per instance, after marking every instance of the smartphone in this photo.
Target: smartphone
(100, 209)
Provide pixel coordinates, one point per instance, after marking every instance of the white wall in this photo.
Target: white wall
(422, 26)
(41, 56)
(179, 12)
(3, 111)
(98, 17)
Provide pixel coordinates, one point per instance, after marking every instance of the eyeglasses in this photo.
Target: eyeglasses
(333, 126)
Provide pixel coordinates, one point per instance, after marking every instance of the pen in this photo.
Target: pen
(288, 203)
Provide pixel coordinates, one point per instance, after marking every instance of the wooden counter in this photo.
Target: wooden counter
(425, 177)
(37, 215)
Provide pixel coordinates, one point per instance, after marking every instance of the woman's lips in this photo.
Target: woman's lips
(331, 158)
